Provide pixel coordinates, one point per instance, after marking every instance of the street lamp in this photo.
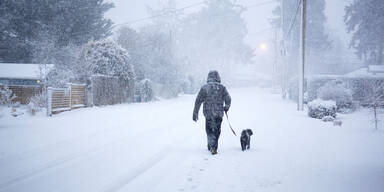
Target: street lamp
(263, 46)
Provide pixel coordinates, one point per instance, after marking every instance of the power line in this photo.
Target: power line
(158, 15)
(260, 31)
(183, 8)
(179, 9)
(260, 4)
(294, 19)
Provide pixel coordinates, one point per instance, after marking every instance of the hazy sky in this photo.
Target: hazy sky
(257, 18)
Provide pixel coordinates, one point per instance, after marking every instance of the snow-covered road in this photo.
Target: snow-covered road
(157, 147)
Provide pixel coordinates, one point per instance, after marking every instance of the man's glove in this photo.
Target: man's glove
(226, 108)
(195, 117)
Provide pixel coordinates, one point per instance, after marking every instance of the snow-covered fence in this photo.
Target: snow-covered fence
(78, 95)
(65, 99)
(24, 93)
(110, 90)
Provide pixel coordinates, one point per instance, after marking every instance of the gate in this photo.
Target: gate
(65, 99)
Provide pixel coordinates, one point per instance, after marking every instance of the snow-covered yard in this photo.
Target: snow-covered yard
(157, 147)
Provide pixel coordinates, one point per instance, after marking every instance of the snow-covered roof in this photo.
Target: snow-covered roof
(371, 71)
(24, 70)
(376, 68)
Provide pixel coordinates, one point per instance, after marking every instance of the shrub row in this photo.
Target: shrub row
(361, 87)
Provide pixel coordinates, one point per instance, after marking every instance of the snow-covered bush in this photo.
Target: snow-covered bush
(337, 123)
(314, 84)
(319, 108)
(328, 119)
(6, 96)
(337, 90)
(144, 91)
(36, 104)
(105, 57)
(15, 112)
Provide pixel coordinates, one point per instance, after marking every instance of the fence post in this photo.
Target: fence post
(49, 101)
(89, 92)
(70, 95)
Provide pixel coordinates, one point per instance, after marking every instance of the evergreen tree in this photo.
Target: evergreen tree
(365, 19)
(26, 22)
(213, 38)
(132, 41)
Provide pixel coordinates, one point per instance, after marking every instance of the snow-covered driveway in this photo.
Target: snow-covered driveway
(157, 147)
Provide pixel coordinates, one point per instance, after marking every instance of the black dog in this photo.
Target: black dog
(245, 139)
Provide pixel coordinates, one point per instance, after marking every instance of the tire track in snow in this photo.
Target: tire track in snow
(42, 169)
(145, 166)
(67, 159)
(37, 150)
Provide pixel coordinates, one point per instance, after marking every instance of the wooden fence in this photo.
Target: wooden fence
(24, 93)
(65, 99)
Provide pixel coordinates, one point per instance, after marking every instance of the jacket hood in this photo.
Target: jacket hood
(213, 76)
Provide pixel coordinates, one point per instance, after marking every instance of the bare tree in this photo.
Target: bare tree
(375, 98)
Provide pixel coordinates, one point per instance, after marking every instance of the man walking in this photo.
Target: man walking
(216, 101)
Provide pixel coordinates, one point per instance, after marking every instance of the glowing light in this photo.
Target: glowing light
(263, 46)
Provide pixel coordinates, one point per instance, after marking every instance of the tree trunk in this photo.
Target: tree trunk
(375, 113)
(380, 55)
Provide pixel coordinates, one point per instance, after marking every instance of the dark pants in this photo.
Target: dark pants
(213, 129)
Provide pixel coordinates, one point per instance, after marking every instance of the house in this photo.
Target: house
(25, 80)
(369, 71)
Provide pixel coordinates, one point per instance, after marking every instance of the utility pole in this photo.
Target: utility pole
(302, 56)
(283, 65)
(275, 63)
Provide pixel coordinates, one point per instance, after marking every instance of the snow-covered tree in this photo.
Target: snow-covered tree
(66, 22)
(207, 42)
(365, 19)
(105, 57)
(132, 41)
(64, 58)
(152, 55)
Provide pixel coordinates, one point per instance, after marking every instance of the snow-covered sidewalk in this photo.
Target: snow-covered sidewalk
(157, 147)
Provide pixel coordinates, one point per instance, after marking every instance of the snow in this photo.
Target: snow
(156, 146)
(318, 103)
(22, 71)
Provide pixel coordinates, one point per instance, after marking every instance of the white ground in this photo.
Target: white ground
(157, 147)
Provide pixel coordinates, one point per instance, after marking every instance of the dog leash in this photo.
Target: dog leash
(230, 124)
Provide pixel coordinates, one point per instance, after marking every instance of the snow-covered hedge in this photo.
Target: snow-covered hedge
(360, 87)
(319, 108)
(110, 90)
(337, 90)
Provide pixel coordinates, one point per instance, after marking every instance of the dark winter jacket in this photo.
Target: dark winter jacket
(214, 95)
